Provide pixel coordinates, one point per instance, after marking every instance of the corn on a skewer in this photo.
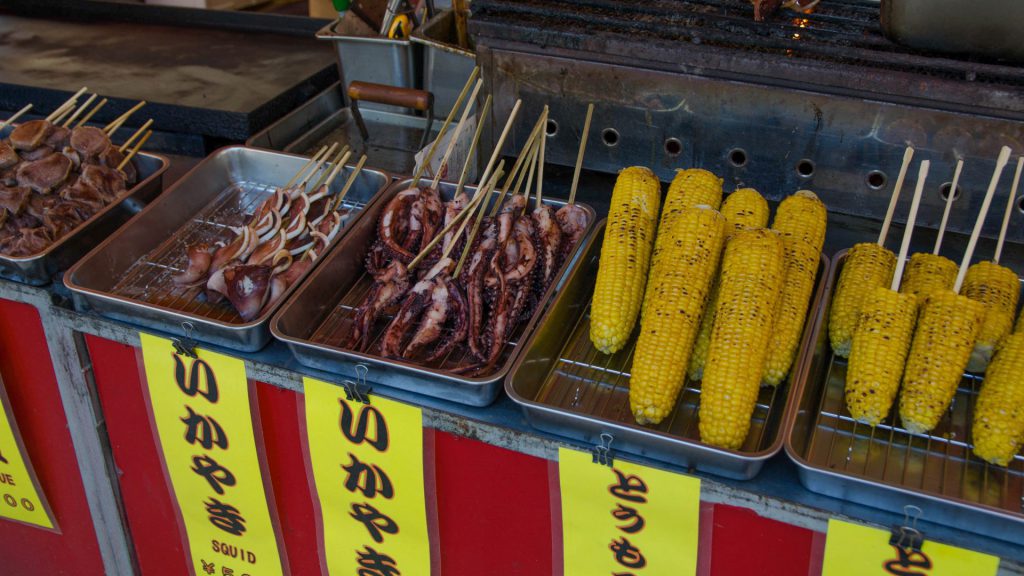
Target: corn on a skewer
(998, 288)
(676, 295)
(867, 266)
(801, 219)
(744, 208)
(926, 273)
(946, 331)
(751, 281)
(625, 255)
(998, 427)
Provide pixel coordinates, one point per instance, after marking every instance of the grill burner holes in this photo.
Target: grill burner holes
(552, 128)
(805, 168)
(673, 147)
(944, 192)
(876, 179)
(738, 157)
(610, 136)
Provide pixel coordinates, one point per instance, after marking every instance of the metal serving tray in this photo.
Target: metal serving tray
(40, 268)
(567, 387)
(886, 466)
(316, 321)
(128, 276)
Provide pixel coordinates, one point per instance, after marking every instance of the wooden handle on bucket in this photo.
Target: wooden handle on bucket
(420, 100)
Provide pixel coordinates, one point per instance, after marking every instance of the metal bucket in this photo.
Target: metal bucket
(445, 65)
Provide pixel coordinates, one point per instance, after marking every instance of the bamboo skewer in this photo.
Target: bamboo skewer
(15, 116)
(908, 154)
(91, 113)
(70, 102)
(458, 234)
(455, 137)
(540, 161)
(1008, 211)
(949, 205)
(530, 171)
(142, 130)
(473, 146)
(348, 183)
(518, 171)
(63, 114)
(488, 190)
(1004, 157)
(901, 262)
(316, 167)
(305, 167)
(501, 142)
(579, 157)
(444, 128)
(134, 150)
(67, 123)
(339, 162)
(120, 120)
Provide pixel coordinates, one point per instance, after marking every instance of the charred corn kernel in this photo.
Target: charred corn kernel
(946, 330)
(744, 208)
(867, 266)
(625, 254)
(878, 353)
(926, 273)
(751, 281)
(998, 288)
(677, 292)
(693, 187)
(801, 269)
(998, 427)
(802, 215)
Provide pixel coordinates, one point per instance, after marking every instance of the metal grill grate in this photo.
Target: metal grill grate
(149, 280)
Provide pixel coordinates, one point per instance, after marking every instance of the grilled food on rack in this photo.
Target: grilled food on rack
(689, 188)
(947, 328)
(998, 288)
(625, 255)
(926, 273)
(751, 282)
(801, 220)
(676, 295)
(867, 267)
(998, 427)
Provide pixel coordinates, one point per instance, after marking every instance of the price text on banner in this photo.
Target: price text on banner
(203, 419)
(855, 550)
(21, 499)
(626, 520)
(367, 463)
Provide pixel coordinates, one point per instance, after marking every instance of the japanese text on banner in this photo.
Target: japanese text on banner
(855, 550)
(21, 499)
(367, 463)
(627, 520)
(200, 407)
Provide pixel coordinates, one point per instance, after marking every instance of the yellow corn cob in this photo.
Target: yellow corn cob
(998, 288)
(677, 290)
(751, 281)
(744, 208)
(998, 427)
(691, 187)
(791, 316)
(867, 266)
(625, 254)
(803, 216)
(926, 273)
(878, 353)
(946, 330)
(1019, 327)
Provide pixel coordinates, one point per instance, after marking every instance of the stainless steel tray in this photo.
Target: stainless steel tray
(315, 322)
(128, 276)
(886, 466)
(566, 387)
(40, 268)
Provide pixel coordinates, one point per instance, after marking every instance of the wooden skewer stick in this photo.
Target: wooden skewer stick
(1009, 210)
(473, 147)
(120, 120)
(579, 158)
(488, 190)
(532, 162)
(949, 204)
(134, 150)
(540, 161)
(67, 123)
(501, 143)
(447, 249)
(1004, 157)
(316, 168)
(70, 102)
(351, 180)
(92, 113)
(63, 114)
(142, 130)
(518, 171)
(455, 137)
(908, 154)
(444, 128)
(531, 158)
(338, 167)
(306, 166)
(15, 117)
(901, 262)
(336, 164)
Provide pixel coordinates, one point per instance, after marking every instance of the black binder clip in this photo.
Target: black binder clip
(603, 453)
(907, 536)
(185, 346)
(358, 391)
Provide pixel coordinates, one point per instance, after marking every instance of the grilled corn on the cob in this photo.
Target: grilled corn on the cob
(946, 331)
(878, 353)
(693, 187)
(744, 208)
(867, 266)
(926, 273)
(676, 295)
(751, 281)
(802, 216)
(998, 427)
(625, 255)
(998, 288)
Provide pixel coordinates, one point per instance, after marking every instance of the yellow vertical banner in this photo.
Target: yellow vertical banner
(626, 519)
(200, 408)
(21, 499)
(855, 550)
(366, 462)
